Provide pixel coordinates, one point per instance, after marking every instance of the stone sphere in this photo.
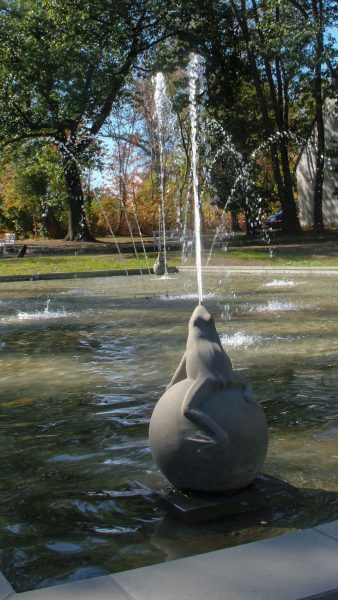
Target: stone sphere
(191, 464)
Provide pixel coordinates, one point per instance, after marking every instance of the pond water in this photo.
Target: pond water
(82, 363)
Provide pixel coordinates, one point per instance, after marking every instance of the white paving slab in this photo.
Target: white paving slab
(330, 529)
(330, 595)
(98, 588)
(287, 567)
(5, 588)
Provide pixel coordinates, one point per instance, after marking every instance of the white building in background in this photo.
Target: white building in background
(306, 170)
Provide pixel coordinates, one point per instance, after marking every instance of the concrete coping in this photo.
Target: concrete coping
(216, 269)
(81, 274)
(302, 565)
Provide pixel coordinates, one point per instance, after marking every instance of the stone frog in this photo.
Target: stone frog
(159, 265)
(206, 365)
(207, 433)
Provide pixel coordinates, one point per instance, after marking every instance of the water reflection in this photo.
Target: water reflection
(78, 389)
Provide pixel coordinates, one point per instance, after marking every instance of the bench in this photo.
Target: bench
(177, 237)
(8, 241)
(173, 238)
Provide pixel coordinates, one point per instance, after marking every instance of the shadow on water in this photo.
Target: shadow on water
(288, 508)
(114, 530)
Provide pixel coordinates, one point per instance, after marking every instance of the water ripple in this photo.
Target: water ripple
(280, 283)
(276, 306)
(116, 530)
(239, 340)
(175, 297)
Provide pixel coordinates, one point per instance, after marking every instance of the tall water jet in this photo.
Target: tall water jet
(140, 234)
(195, 73)
(207, 433)
(161, 101)
(105, 216)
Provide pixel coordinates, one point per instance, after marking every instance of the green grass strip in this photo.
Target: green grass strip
(68, 264)
(323, 255)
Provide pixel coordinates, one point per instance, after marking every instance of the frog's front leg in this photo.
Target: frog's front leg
(180, 373)
(197, 392)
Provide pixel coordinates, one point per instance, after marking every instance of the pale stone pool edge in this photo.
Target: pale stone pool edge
(292, 566)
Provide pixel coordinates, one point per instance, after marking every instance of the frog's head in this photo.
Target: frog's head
(201, 319)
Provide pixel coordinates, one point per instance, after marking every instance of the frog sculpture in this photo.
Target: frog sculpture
(207, 432)
(159, 265)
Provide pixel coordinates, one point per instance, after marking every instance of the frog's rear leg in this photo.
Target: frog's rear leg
(237, 380)
(197, 392)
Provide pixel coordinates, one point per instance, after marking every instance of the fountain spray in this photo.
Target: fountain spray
(160, 102)
(207, 433)
(195, 73)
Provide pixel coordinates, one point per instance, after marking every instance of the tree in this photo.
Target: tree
(260, 55)
(63, 65)
(264, 37)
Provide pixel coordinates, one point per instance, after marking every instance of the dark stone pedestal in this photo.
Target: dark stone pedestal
(199, 507)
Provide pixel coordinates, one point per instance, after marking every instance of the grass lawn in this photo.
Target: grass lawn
(296, 255)
(306, 255)
(66, 264)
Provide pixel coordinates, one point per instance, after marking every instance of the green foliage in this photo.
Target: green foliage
(274, 94)
(33, 191)
(63, 64)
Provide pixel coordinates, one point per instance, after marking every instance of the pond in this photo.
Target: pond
(82, 365)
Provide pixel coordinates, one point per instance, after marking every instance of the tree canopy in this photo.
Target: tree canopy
(65, 65)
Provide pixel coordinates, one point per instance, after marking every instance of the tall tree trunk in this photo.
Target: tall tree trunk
(77, 224)
(52, 225)
(317, 11)
(319, 179)
(122, 224)
(235, 226)
(290, 223)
